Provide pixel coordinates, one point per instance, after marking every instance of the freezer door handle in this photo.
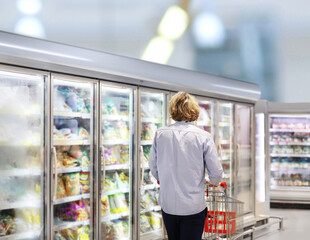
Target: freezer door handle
(142, 163)
(103, 166)
(54, 157)
(238, 159)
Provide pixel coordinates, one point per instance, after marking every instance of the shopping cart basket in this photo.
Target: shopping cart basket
(224, 218)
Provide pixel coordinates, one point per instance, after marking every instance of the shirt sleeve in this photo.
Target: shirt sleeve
(153, 158)
(212, 162)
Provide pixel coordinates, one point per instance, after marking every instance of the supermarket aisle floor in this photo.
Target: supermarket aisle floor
(296, 225)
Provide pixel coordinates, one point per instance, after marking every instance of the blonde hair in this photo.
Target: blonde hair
(183, 107)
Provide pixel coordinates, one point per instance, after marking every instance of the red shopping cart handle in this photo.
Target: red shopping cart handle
(223, 185)
(158, 182)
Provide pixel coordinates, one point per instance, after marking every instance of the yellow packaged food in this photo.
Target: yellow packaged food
(72, 183)
(61, 191)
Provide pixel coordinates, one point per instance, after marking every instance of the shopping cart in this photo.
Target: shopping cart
(224, 220)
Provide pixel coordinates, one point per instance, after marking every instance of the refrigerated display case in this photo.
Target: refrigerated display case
(22, 155)
(231, 126)
(287, 151)
(153, 115)
(72, 157)
(99, 113)
(117, 162)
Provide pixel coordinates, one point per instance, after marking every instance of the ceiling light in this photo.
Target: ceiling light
(30, 26)
(174, 23)
(208, 30)
(158, 50)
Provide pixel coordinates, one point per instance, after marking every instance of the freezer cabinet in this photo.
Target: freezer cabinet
(22, 161)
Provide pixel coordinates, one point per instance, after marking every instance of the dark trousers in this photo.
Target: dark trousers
(188, 227)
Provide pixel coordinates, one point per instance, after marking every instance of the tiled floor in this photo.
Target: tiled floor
(296, 225)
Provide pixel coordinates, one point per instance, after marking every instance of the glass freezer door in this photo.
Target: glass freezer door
(225, 138)
(153, 116)
(244, 169)
(21, 156)
(72, 158)
(117, 131)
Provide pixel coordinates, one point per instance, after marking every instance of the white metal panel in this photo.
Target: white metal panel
(41, 54)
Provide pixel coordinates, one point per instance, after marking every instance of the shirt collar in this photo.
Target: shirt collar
(183, 122)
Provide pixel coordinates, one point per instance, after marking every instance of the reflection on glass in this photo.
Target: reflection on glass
(72, 158)
(225, 141)
(153, 116)
(206, 119)
(116, 128)
(289, 150)
(21, 156)
(244, 150)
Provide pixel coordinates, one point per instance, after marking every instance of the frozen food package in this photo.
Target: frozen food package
(145, 225)
(61, 191)
(109, 183)
(119, 229)
(60, 102)
(82, 233)
(109, 131)
(111, 155)
(83, 134)
(123, 181)
(109, 108)
(121, 203)
(146, 201)
(68, 161)
(75, 102)
(155, 220)
(124, 154)
(148, 131)
(107, 231)
(72, 183)
(74, 211)
(7, 224)
(84, 182)
(122, 129)
(113, 208)
(75, 151)
(105, 208)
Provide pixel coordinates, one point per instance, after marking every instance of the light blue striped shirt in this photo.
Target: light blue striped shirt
(180, 153)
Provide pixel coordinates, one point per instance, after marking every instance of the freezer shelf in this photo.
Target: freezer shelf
(33, 203)
(20, 172)
(23, 235)
(72, 198)
(65, 225)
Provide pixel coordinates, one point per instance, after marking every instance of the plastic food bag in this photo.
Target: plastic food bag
(105, 208)
(72, 183)
(144, 224)
(61, 191)
(84, 182)
(155, 220)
